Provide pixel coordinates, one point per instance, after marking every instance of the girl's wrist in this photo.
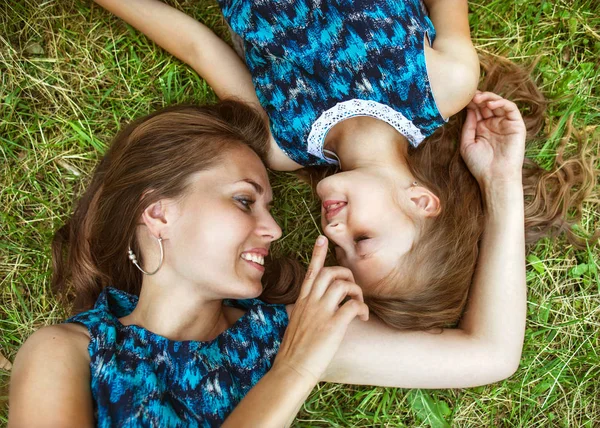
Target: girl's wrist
(507, 184)
(502, 194)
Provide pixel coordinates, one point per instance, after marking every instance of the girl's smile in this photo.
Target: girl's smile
(332, 208)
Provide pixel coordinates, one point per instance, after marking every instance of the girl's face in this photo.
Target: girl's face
(222, 227)
(360, 214)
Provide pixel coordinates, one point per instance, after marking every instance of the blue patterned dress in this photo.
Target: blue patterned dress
(139, 378)
(315, 63)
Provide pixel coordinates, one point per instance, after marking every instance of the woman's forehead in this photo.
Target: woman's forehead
(236, 167)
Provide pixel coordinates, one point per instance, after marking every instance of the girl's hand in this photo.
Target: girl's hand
(493, 139)
(318, 323)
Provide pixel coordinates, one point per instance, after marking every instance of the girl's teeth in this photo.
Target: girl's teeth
(334, 206)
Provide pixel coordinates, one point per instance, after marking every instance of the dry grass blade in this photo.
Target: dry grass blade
(4, 363)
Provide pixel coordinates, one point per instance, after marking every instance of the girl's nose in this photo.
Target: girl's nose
(337, 232)
(336, 227)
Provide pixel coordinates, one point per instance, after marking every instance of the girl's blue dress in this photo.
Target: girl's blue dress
(139, 378)
(315, 63)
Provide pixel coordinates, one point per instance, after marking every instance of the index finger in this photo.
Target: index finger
(469, 130)
(316, 264)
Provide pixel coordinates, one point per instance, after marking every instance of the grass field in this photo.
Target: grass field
(71, 75)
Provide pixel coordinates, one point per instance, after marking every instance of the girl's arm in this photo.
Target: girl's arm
(190, 41)
(196, 45)
(486, 347)
(453, 64)
(50, 382)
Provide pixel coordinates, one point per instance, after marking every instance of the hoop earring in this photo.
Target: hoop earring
(134, 260)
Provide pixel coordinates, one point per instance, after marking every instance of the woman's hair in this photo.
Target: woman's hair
(151, 159)
(429, 287)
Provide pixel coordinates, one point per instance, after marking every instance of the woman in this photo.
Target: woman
(177, 212)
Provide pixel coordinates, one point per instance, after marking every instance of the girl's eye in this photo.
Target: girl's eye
(361, 238)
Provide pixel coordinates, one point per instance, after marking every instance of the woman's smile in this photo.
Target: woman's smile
(256, 258)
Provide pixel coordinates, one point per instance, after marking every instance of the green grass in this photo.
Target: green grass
(71, 74)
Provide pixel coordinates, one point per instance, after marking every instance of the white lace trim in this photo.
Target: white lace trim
(357, 107)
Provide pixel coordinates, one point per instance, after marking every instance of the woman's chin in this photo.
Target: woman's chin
(248, 290)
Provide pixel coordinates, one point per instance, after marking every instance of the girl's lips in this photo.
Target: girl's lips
(332, 208)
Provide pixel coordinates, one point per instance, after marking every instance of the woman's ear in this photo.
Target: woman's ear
(155, 217)
(425, 201)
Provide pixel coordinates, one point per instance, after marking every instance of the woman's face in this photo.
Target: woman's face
(222, 227)
(361, 216)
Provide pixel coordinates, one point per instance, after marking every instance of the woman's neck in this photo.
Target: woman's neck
(180, 312)
(363, 140)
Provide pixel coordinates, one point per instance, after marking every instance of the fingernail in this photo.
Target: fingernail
(320, 240)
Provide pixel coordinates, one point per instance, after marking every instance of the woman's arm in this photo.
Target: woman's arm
(50, 382)
(274, 401)
(486, 347)
(316, 327)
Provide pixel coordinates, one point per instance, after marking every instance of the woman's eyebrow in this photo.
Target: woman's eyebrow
(259, 189)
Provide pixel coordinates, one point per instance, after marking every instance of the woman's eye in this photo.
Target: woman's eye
(361, 238)
(245, 202)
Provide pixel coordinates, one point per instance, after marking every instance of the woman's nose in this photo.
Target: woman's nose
(269, 228)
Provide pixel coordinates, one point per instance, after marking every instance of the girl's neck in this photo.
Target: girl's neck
(180, 312)
(366, 141)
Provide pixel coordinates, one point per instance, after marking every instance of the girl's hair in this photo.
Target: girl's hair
(429, 287)
(151, 159)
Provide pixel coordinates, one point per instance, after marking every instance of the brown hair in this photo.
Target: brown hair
(429, 287)
(151, 159)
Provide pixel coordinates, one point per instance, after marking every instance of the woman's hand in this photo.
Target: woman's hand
(318, 323)
(493, 139)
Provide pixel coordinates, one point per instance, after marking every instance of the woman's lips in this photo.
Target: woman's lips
(255, 265)
(332, 208)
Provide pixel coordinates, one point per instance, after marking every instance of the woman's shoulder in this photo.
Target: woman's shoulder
(50, 378)
(56, 341)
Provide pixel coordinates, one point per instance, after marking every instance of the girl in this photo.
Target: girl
(360, 84)
(177, 213)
